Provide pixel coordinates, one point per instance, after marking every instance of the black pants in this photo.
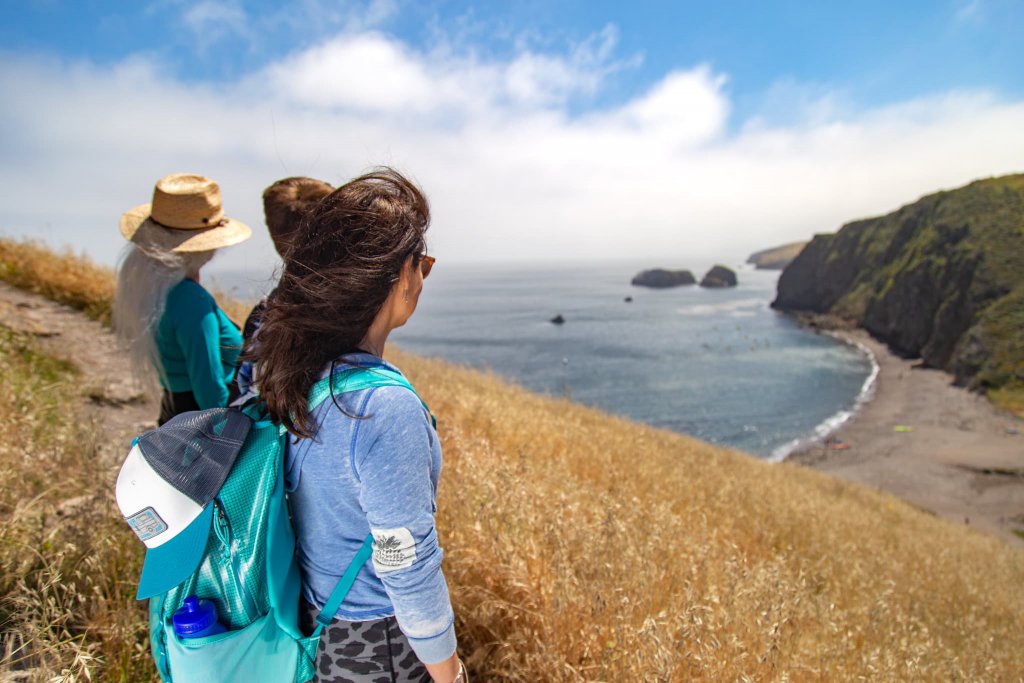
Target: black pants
(177, 402)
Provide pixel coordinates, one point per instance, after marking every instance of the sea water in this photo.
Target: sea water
(718, 364)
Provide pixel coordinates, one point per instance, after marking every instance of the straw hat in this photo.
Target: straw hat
(185, 215)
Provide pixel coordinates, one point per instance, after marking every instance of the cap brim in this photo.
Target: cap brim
(172, 562)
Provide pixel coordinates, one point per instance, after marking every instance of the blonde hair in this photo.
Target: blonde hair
(144, 278)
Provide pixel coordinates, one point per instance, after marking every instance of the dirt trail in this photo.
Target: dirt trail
(111, 397)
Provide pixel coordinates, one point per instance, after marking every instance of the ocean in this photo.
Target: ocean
(717, 364)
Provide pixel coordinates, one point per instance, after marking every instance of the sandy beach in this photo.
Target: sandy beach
(942, 448)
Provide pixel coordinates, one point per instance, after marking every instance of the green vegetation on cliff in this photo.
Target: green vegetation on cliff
(942, 278)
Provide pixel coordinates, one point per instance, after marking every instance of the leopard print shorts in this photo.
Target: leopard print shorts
(363, 651)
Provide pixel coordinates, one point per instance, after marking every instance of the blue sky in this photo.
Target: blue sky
(873, 51)
(517, 116)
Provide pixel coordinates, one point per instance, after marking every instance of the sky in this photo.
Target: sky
(664, 133)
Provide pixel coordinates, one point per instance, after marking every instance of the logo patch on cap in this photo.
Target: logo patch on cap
(147, 523)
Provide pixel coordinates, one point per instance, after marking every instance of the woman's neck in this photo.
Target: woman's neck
(375, 339)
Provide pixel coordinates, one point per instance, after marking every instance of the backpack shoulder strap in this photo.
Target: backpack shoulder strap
(343, 586)
(358, 378)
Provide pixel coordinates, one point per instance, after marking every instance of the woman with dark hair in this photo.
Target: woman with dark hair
(369, 460)
(285, 204)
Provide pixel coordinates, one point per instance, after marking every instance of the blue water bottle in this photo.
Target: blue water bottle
(197, 618)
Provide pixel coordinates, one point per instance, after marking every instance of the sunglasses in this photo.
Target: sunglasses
(426, 264)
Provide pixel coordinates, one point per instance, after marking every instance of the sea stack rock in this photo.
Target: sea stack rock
(660, 278)
(719, 276)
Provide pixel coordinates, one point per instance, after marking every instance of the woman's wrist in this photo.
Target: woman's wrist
(448, 671)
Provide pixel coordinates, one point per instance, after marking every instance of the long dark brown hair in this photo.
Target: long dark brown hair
(343, 261)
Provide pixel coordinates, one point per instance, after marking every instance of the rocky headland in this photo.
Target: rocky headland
(941, 279)
(776, 258)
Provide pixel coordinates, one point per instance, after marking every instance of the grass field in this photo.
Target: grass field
(579, 547)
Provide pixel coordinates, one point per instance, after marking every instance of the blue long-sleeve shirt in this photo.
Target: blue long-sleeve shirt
(376, 475)
(198, 345)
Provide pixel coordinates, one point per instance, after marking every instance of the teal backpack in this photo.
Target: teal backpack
(247, 567)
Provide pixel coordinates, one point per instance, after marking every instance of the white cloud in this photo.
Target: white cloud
(511, 171)
(363, 72)
(542, 80)
(685, 108)
(373, 72)
(212, 20)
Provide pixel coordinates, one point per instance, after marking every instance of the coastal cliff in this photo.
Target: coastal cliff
(941, 279)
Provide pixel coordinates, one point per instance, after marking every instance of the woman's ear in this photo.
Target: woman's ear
(405, 278)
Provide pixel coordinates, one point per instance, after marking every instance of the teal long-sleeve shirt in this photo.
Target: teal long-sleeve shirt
(198, 345)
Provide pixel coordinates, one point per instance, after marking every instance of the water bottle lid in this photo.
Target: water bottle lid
(194, 616)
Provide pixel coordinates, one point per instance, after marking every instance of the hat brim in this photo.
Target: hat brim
(172, 562)
(138, 227)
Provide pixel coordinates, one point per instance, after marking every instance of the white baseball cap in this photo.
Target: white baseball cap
(167, 486)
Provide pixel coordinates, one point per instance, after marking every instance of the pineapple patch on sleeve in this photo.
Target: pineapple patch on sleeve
(393, 549)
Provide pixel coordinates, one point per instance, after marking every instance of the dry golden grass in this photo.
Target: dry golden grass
(583, 547)
(73, 279)
(64, 276)
(67, 607)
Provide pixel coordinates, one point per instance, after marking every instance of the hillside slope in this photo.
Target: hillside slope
(942, 278)
(578, 547)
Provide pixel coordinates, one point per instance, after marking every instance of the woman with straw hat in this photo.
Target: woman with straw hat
(170, 323)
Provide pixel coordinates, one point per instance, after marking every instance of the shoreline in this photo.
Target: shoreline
(830, 425)
(939, 447)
